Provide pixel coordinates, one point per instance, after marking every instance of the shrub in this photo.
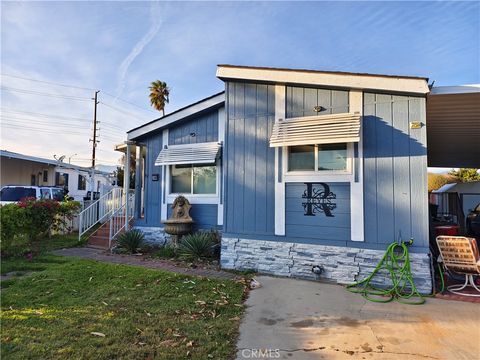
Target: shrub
(29, 220)
(131, 240)
(197, 245)
(168, 251)
(12, 241)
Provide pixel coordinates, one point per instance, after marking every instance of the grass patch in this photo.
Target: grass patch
(41, 248)
(143, 313)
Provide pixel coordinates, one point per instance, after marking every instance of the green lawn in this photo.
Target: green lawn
(64, 309)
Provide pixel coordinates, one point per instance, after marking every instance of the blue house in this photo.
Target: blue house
(296, 168)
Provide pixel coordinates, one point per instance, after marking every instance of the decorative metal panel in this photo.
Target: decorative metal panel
(323, 129)
(202, 153)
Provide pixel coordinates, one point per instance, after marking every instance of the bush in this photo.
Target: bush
(131, 240)
(29, 220)
(168, 251)
(197, 245)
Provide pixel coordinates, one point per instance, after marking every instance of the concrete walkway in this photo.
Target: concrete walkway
(160, 264)
(295, 319)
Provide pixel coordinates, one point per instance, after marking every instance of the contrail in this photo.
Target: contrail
(138, 48)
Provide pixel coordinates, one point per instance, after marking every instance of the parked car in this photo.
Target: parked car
(14, 193)
(473, 221)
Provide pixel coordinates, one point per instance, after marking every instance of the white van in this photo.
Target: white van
(14, 193)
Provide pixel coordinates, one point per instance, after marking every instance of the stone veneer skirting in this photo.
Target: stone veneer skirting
(342, 264)
(154, 235)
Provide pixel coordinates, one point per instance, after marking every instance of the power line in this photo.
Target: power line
(58, 96)
(120, 110)
(47, 82)
(111, 126)
(128, 102)
(43, 114)
(47, 131)
(79, 87)
(42, 121)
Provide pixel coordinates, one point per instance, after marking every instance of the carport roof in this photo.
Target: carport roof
(453, 126)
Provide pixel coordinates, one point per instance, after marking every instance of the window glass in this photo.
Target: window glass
(204, 179)
(61, 179)
(45, 175)
(181, 179)
(16, 193)
(301, 158)
(82, 182)
(58, 194)
(332, 157)
(45, 194)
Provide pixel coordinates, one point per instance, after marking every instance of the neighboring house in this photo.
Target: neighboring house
(468, 193)
(296, 168)
(20, 169)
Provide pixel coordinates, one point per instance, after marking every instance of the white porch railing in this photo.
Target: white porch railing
(117, 221)
(100, 210)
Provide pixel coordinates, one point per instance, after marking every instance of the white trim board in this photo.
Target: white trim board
(340, 80)
(165, 175)
(221, 139)
(279, 183)
(357, 226)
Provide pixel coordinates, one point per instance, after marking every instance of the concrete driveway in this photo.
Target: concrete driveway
(295, 319)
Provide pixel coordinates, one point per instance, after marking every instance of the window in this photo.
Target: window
(45, 194)
(58, 194)
(82, 182)
(323, 157)
(193, 179)
(16, 193)
(61, 179)
(45, 176)
(33, 180)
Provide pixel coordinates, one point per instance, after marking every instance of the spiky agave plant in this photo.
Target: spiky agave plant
(131, 240)
(197, 245)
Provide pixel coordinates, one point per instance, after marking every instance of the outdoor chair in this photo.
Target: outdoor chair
(460, 255)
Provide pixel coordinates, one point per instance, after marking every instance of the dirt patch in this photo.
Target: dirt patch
(302, 323)
(366, 347)
(346, 321)
(266, 321)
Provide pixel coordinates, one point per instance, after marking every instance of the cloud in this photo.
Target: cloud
(156, 23)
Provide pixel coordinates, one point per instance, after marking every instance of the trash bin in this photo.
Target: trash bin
(450, 230)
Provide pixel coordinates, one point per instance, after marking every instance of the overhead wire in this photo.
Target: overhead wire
(47, 82)
(58, 96)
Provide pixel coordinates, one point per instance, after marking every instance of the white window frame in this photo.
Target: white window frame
(194, 198)
(319, 175)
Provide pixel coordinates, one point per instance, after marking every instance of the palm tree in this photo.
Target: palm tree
(159, 93)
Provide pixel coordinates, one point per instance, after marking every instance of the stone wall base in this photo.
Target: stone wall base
(344, 265)
(154, 235)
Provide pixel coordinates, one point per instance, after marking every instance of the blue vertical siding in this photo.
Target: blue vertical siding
(301, 101)
(319, 226)
(153, 189)
(205, 128)
(249, 161)
(203, 215)
(395, 197)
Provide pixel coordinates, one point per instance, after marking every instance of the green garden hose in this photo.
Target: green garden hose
(396, 261)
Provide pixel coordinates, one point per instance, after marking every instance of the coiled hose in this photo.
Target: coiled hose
(396, 261)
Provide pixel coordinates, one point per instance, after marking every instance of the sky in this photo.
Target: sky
(54, 55)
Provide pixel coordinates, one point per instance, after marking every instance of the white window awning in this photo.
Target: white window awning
(201, 153)
(322, 129)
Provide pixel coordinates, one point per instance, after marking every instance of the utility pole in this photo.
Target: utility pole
(94, 144)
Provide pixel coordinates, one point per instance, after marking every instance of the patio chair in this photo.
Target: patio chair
(460, 255)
